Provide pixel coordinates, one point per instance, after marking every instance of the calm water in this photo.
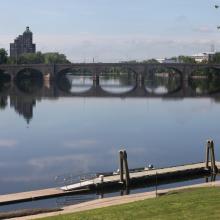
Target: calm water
(43, 136)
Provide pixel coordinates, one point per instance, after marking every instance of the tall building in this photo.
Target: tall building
(23, 44)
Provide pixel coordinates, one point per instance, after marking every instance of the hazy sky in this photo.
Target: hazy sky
(114, 30)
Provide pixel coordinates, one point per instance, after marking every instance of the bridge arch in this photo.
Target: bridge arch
(4, 76)
(75, 71)
(162, 80)
(118, 80)
(29, 72)
(29, 80)
(75, 80)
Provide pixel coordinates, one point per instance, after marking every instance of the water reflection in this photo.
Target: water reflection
(75, 83)
(162, 85)
(3, 101)
(24, 94)
(4, 86)
(29, 86)
(205, 81)
(117, 83)
(4, 81)
(77, 135)
(29, 81)
(23, 105)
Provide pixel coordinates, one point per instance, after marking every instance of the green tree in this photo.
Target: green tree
(130, 61)
(150, 61)
(3, 56)
(51, 58)
(11, 60)
(31, 58)
(39, 58)
(215, 58)
(186, 59)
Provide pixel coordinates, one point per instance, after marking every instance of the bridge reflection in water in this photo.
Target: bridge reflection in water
(25, 92)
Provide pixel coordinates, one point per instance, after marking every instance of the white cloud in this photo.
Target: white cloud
(77, 161)
(28, 178)
(204, 29)
(8, 143)
(181, 19)
(113, 48)
(80, 143)
(108, 48)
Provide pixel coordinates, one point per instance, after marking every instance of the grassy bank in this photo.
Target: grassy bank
(193, 204)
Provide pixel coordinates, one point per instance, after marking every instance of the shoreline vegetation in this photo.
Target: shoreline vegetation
(56, 57)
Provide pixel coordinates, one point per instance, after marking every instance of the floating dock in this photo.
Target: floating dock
(36, 195)
(123, 178)
(109, 181)
(144, 175)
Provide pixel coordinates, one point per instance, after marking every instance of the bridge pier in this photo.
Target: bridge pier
(96, 81)
(140, 80)
(47, 80)
(185, 81)
(139, 89)
(12, 78)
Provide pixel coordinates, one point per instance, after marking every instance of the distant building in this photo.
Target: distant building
(23, 44)
(201, 57)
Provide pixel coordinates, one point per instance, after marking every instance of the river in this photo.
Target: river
(45, 135)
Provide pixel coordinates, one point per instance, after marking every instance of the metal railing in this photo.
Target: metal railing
(70, 179)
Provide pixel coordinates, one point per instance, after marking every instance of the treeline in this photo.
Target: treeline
(33, 58)
(179, 59)
(214, 59)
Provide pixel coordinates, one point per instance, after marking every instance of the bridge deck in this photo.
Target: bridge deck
(184, 170)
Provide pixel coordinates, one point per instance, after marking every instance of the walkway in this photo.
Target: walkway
(119, 200)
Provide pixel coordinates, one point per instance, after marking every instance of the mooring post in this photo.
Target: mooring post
(210, 156)
(127, 176)
(207, 154)
(121, 170)
(214, 168)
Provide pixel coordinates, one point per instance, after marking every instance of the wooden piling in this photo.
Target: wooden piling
(127, 176)
(210, 156)
(123, 163)
(121, 170)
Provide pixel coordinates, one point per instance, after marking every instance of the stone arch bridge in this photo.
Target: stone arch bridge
(185, 70)
(140, 69)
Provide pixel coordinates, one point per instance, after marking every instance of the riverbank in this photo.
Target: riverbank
(207, 195)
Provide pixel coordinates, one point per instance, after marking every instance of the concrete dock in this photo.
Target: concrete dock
(36, 195)
(117, 200)
(105, 182)
(144, 175)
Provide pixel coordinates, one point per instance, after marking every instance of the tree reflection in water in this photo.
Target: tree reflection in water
(75, 83)
(78, 80)
(205, 81)
(117, 80)
(29, 81)
(162, 81)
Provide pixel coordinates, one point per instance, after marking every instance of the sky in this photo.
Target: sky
(114, 30)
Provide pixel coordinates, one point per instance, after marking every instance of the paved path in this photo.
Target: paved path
(101, 203)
